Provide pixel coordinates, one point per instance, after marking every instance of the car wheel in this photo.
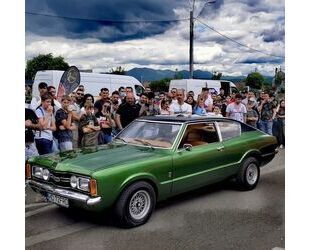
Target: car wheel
(136, 204)
(249, 174)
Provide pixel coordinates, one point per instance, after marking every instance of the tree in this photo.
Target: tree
(216, 75)
(254, 80)
(160, 85)
(44, 62)
(118, 71)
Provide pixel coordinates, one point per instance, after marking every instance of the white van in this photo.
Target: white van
(196, 85)
(92, 82)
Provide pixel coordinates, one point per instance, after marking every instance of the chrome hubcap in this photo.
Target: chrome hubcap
(251, 174)
(139, 204)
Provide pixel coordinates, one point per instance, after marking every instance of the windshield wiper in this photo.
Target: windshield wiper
(144, 142)
(118, 138)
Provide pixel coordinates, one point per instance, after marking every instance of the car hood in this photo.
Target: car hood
(88, 160)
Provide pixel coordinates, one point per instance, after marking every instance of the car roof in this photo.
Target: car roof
(183, 119)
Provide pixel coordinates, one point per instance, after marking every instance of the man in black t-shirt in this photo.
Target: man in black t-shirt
(31, 123)
(104, 93)
(127, 112)
(64, 124)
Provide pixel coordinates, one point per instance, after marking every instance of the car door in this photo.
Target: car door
(199, 163)
(235, 145)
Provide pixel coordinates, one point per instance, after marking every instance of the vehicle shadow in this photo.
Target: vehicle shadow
(198, 193)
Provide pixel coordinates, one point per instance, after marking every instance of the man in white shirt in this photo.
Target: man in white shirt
(237, 109)
(208, 99)
(180, 107)
(173, 94)
(36, 100)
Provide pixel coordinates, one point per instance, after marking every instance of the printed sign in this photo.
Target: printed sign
(69, 81)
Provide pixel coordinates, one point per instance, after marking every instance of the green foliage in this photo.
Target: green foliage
(160, 85)
(254, 80)
(118, 71)
(44, 62)
(216, 75)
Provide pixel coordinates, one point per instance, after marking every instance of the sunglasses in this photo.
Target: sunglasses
(79, 94)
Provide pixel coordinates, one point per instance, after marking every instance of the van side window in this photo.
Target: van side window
(139, 89)
(199, 134)
(234, 90)
(229, 130)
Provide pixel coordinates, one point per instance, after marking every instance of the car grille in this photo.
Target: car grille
(57, 179)
(60, 179)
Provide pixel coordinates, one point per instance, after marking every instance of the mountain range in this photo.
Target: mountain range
(148, 74)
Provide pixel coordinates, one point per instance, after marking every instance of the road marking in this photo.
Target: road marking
(56, 233)
(40, 210)
(37, 204)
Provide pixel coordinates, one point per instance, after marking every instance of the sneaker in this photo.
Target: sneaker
(281, 146)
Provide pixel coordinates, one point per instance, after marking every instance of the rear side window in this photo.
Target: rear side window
(229, 130)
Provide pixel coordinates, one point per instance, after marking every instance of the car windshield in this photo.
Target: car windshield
(152, 134)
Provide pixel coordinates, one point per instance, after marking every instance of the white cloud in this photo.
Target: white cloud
(170, 50)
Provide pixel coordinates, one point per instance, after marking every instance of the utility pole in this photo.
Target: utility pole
(191, 45)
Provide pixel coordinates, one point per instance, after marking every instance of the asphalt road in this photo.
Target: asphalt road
(215, 217)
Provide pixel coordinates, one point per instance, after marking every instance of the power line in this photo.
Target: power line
(108, 20)
(241, 44)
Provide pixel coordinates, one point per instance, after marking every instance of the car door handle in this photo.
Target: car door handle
(221, 148)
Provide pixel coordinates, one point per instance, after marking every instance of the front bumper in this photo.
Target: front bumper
(71, 195)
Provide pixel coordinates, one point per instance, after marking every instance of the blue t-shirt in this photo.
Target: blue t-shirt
(200, 111)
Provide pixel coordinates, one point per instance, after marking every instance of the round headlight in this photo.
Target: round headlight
(46, 174)
(73, 181)
(37, 172)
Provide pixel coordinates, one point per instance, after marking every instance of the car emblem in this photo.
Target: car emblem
(55, 178)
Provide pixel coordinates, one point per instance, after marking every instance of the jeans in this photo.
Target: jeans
(44, 146)
(266, 126)
(65, 146)
(278, 131)
(105, 138)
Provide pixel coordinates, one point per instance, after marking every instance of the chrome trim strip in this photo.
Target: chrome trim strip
(65, 193)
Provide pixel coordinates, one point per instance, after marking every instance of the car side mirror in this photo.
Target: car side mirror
(188, 147)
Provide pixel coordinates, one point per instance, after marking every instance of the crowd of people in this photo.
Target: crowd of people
(78, 120)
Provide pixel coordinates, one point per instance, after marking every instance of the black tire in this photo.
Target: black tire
(135, 205)
(249, 173)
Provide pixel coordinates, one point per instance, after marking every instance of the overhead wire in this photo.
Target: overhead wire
(241, 44)
(107, 20)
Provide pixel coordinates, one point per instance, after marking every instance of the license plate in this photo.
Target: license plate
(62, 201)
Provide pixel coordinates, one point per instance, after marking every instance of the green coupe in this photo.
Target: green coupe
(152, 159)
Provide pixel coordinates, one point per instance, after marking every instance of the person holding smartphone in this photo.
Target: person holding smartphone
(106, 123)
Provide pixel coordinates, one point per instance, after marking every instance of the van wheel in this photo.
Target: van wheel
(136, 204)
(249, 173)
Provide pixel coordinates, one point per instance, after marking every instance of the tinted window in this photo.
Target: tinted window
(229, 130)
(199, 134)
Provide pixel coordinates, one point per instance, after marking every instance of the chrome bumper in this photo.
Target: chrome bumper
(64, 193)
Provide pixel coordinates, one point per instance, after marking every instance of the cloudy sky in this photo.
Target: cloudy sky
(99, 35)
